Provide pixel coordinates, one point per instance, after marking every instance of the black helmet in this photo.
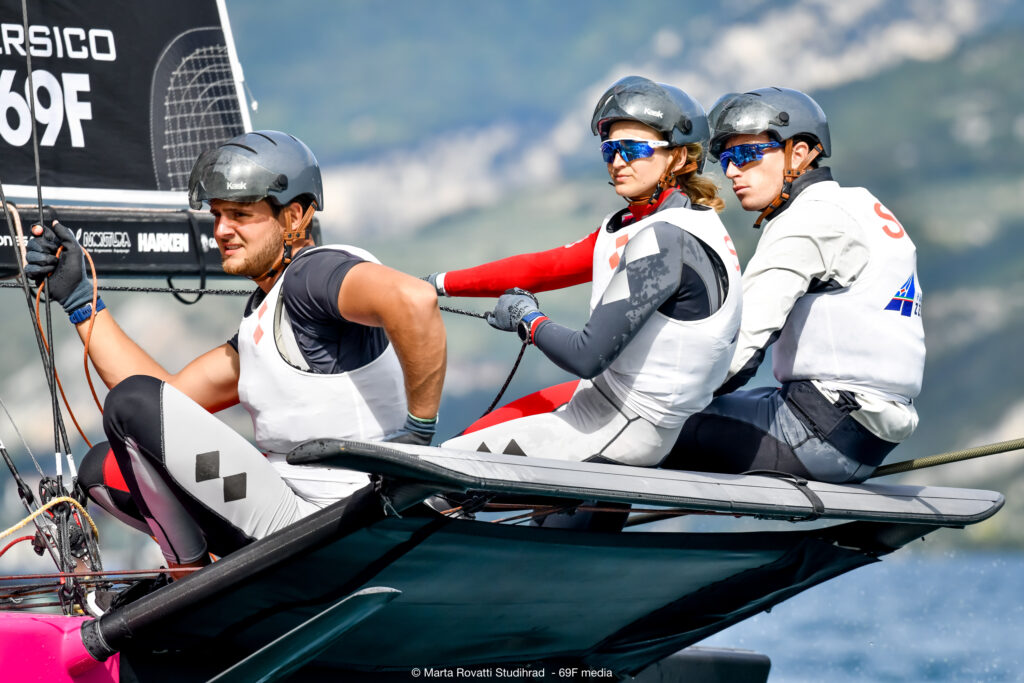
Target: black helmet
(665, 108)
(263, 164)
(782, 113)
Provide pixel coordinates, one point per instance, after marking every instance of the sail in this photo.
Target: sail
(124, 100)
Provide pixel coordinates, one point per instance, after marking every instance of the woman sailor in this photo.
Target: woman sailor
(664, 306)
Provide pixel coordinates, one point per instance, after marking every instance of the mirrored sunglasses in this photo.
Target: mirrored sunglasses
(741, 155)
(629, 150)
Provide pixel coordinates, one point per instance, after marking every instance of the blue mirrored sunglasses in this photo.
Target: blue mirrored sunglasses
(629, 150)
(741, 155)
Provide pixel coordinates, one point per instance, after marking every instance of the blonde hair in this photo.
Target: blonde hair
(699, 189)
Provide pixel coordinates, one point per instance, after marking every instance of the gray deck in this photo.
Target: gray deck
(758, 495)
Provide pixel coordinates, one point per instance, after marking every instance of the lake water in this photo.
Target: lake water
(918, 615)
(951, 616)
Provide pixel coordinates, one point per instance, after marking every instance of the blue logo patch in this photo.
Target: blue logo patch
(903, 300)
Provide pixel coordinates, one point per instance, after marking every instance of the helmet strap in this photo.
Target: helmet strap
(291, 237)
(789, 174)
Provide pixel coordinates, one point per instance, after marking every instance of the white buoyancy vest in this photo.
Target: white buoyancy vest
(867, 336)
(669, 370)
(289, 404)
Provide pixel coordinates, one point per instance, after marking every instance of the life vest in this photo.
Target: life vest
(289, 404)
(869, 336)
(671, 367)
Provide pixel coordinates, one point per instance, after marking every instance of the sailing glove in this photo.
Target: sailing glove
(68, 283)
(436, 279)
(510, 309)
(416, 430)
(516, 311)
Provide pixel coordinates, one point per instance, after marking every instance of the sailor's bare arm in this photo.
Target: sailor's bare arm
(211, 380)
(406, 307)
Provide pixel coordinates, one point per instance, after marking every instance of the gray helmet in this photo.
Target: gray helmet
(782, 113)
(263, 164)
(665, 108)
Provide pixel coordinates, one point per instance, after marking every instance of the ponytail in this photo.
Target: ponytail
(699, 189)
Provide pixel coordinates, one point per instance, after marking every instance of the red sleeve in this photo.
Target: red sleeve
(538, 272)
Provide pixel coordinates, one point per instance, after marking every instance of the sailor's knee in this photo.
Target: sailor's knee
(90, 471)
(132, 406)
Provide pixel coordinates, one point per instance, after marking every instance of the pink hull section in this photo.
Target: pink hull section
(48, 648)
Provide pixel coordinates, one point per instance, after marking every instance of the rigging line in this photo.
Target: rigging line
(951, 456)
(102, 573)
(158, 290)
(32, 112)
(60, 385)
(53, 503)
(515, 366)
(58, 427)
(44, 357)
(508, 380)
(59, 432)
(472, 314)
(88, 339)
(193, 225)
(21, 239)
(15, 542)
(23, 442)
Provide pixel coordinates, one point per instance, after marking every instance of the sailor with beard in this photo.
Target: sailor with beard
(332, 345)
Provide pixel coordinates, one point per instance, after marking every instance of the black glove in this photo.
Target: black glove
(68, 284)
(416, 431)
(510, 309)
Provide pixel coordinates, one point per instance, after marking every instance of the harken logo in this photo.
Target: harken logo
(165, 242)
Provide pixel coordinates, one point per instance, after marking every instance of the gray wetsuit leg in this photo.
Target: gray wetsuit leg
(794, 430)
(200, 486)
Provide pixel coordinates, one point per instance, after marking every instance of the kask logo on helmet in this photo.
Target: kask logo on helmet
(236, 185)
(653, 112)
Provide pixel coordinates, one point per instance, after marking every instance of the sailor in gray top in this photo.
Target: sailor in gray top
(833, 284)
(332, 345)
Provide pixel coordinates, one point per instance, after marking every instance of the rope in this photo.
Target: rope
(60, 437)
(15, 542)
(53, 503)
(56, 376)
(217, 292)
(22, 242)
(193, 226)
(471, 314)
(88, 339)
(102, 573)
(158, 290)
(508, 380)
(23, 442)
(945, 458)
(515, 366)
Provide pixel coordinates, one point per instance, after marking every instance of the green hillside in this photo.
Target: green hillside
(413, 70)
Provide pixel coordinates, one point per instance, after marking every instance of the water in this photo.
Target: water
(953, 616)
